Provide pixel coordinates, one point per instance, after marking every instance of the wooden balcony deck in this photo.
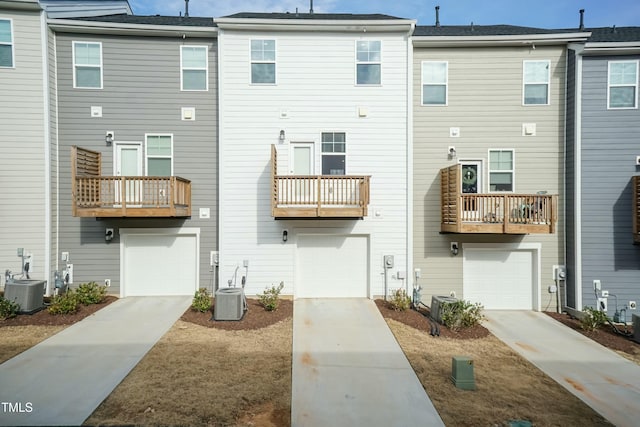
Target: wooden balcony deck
(635, 188)
(494, 213)
(94, 195)
(322, 196)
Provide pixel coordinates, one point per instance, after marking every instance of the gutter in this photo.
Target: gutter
(355, 26)
(94, 27)
(500, 40)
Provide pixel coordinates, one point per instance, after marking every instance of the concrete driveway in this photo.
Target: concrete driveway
(605, 381)
(348, 369)
(62, 380)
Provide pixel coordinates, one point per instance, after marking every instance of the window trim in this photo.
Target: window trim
(609, 86)
(525, 83)
(513, 170)
(75, 65)
(12, 43)
(146, 152)
(274, 62)
(206, 68)
(358, 62)
(333, 154)
(446, 84)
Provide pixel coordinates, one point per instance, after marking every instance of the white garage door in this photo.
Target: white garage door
(159, 264)
(332, 266)
(499, 279)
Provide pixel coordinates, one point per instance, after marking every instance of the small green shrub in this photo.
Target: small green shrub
(8, 309)
(201, 301)
(91, 293)
(270, 297)
(66, 303)
(399, 300)
(592, 319)
(461, 314)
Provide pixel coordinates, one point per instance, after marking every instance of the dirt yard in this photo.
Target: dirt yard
(207, 373)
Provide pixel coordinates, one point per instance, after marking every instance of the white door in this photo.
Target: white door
(301, 163)
(499, 279)
(471, 183)
(128, 162)
(332, 266)
(159, 264)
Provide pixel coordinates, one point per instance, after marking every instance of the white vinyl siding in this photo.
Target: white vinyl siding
(622, 84)
(368, 62)
(263, 61)
(535, 82)
(194, 68)
(435, 82)
(159, 155)
(87, 65)
(6, 43)
(501, 170)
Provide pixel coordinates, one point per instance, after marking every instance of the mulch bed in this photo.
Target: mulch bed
(44, 318)
(605, 335)
(255, 317)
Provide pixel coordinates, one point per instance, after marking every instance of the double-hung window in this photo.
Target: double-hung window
(368, 62)
(623, 84)
(536, 76)
(435, 79)
(194, 67)
(334, 148)
(87, 65)
(501, 170)
(263, 61)
(159, 155)
(6, 44)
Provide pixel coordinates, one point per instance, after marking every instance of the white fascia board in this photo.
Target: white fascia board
(604, 48)
(20, 4)
(512, 40)
(92, 27)
(358, 26)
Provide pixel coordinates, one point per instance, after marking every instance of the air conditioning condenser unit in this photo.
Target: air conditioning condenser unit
(636, 328)
(229, 304)
(437, 304)
(28, 294)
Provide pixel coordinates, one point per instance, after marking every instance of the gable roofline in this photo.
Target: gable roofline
(154, 26)
(356, 23)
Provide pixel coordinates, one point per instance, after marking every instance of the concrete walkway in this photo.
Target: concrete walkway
(608, 383)
(348, 369)
(62, 380)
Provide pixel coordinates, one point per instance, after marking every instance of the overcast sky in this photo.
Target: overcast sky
(531, 13)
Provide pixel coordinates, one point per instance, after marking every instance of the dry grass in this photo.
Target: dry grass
(508, 387)
(16, 339)
(201, 376)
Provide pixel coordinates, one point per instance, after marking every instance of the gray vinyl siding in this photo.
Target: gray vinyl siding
(141, 94)
(23, 148)
(610, 144)
(570, 179)
(485, 102)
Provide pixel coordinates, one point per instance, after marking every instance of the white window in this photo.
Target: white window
(194, 67)
(536, 75)
(334, 150)
(87, 65)
(368, 62)
(159, 154)
(6, 43)
(263, 61)
(501, 170)
(435, 81)
(623, 84)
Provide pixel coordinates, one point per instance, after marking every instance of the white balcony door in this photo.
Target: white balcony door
(471, 183)
(128, 162)
(301, 163)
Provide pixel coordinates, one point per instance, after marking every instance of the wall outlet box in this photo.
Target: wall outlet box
(602, 304)
(605, 294)
(597, 285)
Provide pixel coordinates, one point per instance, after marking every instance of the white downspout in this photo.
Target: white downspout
(409, 281)
(47, 152)
(578, 182)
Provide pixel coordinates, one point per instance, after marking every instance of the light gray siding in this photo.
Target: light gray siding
(609, 148)
(141, 94)
(485, 103)
(23, 147)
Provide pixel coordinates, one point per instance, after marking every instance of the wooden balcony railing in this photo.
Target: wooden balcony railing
(94, 195)
(494, 213)
(635, 188)
(323, 196)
